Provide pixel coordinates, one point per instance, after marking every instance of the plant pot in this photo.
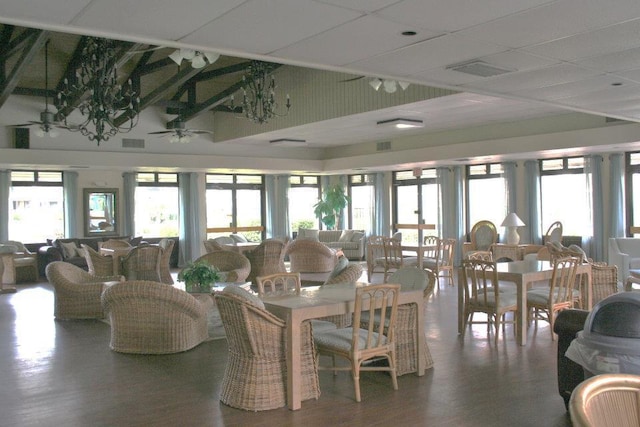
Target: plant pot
(198, 289)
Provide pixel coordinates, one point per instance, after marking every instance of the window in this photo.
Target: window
(633, 186)
(36, 206)
(564, 196)
(486, 195)
(304, 193)
(157, 205)
(405, 207)
(235, 203)
(361, 209)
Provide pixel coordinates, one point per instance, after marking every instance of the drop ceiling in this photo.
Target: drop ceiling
(565, 55)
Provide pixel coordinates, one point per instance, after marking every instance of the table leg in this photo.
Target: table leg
(521, 316)
(294, 369)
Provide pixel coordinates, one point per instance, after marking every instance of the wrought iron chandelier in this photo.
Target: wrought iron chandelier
(107, 101)
(259, 93)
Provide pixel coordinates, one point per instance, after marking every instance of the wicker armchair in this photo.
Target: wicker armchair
(114, 244)
(24, 261)
(210, 245)
(310, 256)
(165, 259)
(143, 263)
(351, 274)
(76, 292)
(604, 280)
(235, 265)
(153, 318)
(255, 376)
(98, 265)
(266, 259)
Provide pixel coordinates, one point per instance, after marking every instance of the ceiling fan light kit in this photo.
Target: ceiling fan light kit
(390, 86)
(198, 59)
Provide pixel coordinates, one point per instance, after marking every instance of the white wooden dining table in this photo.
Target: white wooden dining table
(318, 301)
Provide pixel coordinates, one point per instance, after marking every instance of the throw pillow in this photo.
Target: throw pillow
(342, 263)
(240, 292)
(80, 252)
(69, 250)
(346, 236)
(238, 238)
(357, 236)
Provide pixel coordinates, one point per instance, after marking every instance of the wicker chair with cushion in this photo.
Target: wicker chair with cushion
(165, 260)
(98, 265)
(310, 256)
(153, 318)
(143, 263)
(359, 344)
(604, 280)
(266, 259)
(24, 261)
(606, 400)
(76, 292)
(235, 266)
(255, 376)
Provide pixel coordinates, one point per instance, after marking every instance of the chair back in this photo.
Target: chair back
(481, 283)
(375, 300)
(211, 245)
(267, 258)
(431, 248)
(563, 279)
(604, 280)
(143, 263)
(165, 260)
(115, 244)
(606, 400)
(446, 249)
(234, 265)
(97, 264)
(483, 235)
(20, 247)
(480, 255)
(554, 233)
(279, 283)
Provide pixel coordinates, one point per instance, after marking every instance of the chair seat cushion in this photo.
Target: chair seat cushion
(319, 326)
(541, 295)
(340, 339)
(242, 293)
(507, 299)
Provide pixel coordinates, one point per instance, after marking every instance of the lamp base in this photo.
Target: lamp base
(512, 236)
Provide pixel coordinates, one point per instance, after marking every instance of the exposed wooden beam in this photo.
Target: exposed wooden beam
(35, 43)
(236, 68)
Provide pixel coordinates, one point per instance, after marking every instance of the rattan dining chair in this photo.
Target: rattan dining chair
(604, 280)
(553, 234)
(233, 265)
(482, 295)
(384, 254)
(606, 400)
(483, 234)
(255, 375)
(545, 302)
(358, 344)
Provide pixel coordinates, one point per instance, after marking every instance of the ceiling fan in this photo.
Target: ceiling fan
(178, 132)
(47, 123)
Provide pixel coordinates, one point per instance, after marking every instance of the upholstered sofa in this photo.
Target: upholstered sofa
(62, 249)
(625, 253)
(352, 242)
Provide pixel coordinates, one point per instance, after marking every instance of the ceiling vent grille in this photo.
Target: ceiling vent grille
(479, 68)
(132, 143)
(383, 146)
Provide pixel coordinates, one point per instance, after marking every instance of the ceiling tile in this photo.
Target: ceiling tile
(362, 5)
(614, 62)
(352, 41)
(43, 10)
(453, 15)
(566, 90)
(246, 27)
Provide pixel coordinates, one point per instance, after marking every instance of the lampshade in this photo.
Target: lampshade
(512, 220)
(375, 83)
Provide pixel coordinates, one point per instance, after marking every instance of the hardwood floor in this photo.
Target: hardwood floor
(62, 373)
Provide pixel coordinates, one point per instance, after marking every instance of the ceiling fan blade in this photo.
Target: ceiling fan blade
(160, 132)
(351, 79)
(21, 125)
(199, 132)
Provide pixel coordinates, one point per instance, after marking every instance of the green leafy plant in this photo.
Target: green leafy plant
(328, 209)
(198, 276)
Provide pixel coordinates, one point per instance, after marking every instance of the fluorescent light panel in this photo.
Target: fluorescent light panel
(402, 123)
(289, 142)
(479, 68)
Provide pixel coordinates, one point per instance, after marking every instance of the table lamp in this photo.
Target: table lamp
(511, 223)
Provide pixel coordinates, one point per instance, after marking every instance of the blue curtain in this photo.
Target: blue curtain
(277, 221)
(129, 184)
(190, 232)
(457, 213)
(510, 185)
(617, 224)
(532, 189)
(593, 170)
(5, 189)
(381, 225)
(70, 197)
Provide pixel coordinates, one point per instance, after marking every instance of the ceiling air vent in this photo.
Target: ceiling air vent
(132, 143)
(383, 146)
(479, 68)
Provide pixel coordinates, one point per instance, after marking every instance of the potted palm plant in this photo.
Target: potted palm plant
(328, 209)
(198, 277)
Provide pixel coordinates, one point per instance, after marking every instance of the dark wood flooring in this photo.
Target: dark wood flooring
(62, 373)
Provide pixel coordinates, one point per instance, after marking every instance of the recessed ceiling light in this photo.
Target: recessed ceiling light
(402, 123)
(289, 142)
